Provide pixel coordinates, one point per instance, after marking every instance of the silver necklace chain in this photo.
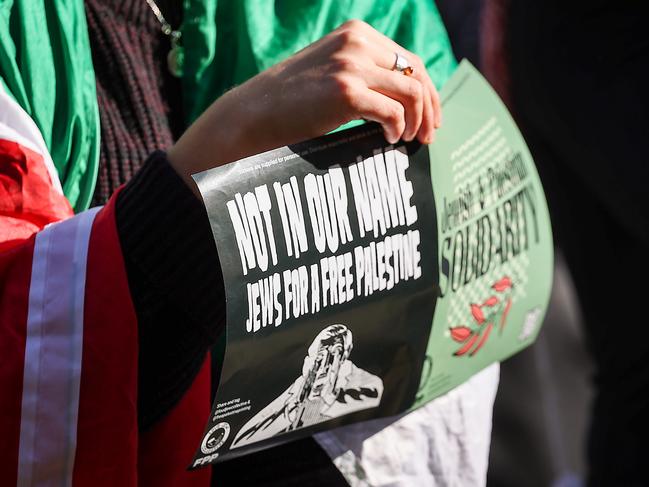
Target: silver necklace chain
(175, 56)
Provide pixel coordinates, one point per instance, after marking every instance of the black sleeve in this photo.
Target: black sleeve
(176, 284)
(175, 281)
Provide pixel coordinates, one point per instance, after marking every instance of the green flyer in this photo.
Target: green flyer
(364, 279)
(494, 239)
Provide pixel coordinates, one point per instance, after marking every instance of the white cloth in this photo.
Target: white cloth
(444, 443)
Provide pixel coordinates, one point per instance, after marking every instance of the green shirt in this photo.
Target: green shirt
(46, 63)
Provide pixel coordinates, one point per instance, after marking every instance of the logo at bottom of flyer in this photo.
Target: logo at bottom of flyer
(215, 438)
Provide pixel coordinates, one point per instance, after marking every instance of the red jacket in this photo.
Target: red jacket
(68, 340)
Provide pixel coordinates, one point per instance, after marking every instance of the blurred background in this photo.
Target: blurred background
(542, 408)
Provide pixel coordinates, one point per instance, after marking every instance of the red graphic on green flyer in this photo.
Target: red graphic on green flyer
(490, 313)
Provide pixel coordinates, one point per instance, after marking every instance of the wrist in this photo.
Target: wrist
(215, 138)
(241, 123)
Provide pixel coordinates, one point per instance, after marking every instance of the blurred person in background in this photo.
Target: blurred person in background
(576, 77)
(462, 19)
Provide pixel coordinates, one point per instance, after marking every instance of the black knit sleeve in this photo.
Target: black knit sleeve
(175, 282)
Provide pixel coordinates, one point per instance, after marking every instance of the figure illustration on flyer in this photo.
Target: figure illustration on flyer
(330, 386)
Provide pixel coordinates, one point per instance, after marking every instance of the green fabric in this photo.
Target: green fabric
(46, 62)
(46, 65)
(228, 41)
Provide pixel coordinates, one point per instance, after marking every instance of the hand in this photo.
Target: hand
(346, 75)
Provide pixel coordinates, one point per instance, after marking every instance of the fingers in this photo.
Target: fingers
(423, 113)
(407, 91)
(432, 105)
(374, 106)
(415, 96)
(426, 132)
(437, 105)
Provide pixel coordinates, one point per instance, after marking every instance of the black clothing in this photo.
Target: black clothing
(580, 92)
(175, 280)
